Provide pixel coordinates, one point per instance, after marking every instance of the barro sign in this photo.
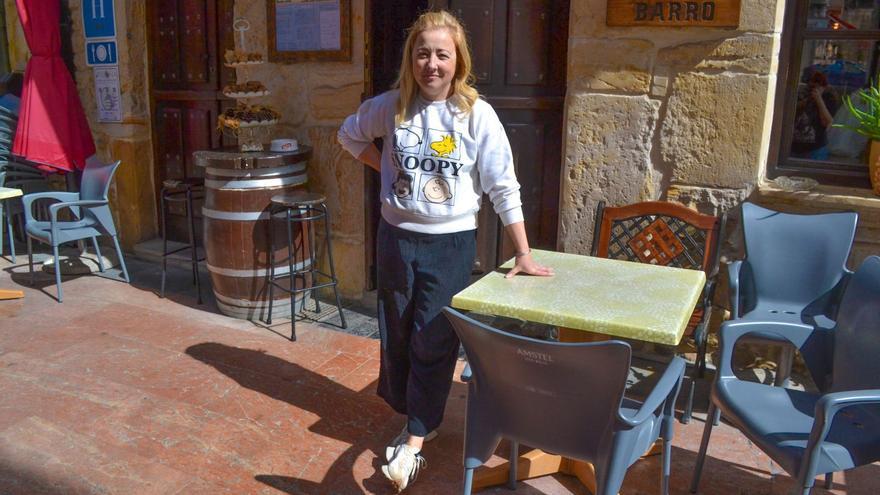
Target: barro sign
(716, 13)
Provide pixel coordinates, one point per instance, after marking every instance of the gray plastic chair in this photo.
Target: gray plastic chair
(566, 398)
(92, 218)
(794, 271)
(810, 434)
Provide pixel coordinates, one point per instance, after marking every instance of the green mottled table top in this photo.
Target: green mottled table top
(9, 192)
(612, 297)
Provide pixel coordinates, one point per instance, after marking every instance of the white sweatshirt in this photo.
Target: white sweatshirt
(436, 165)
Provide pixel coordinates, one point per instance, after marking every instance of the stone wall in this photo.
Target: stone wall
(314, 98)
(680, 114)
(132, 192)
(18, 49)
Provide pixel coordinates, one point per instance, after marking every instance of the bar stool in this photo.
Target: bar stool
(182, 191)
(302, 209)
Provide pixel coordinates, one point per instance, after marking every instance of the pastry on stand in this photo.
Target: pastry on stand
(250, 124)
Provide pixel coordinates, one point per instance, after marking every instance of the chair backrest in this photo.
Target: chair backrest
(796, 258)
(659, 233)
(23, 176)
(96, 179)
(857, 335)
(557, 396)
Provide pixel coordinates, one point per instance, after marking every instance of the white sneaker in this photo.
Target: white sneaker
(401, 439)
(404, 466)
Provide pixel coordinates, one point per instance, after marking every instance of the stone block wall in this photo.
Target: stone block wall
(679, 114)
(132, 192)
(17, 45)
(314, 98)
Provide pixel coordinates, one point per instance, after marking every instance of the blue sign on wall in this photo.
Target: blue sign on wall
(98, 19)
(101, 52)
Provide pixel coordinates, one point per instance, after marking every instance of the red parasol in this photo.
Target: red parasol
(52, 127)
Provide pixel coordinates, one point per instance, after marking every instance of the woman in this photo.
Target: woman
(443, 148)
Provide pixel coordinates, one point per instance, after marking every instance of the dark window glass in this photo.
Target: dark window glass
(830, 51)
(842, 15)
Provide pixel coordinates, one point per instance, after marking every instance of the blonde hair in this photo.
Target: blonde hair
(464, 95)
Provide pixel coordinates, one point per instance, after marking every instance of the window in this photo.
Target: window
(830, 50)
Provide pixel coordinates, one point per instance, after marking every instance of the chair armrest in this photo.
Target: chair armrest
(73, 205)
(733, 270)
(826, 409)
(733, 330)
(661, 392)
(28, 199)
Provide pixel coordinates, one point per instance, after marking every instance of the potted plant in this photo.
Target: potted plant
(867, 117)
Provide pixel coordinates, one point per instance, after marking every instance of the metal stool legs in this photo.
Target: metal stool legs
(172, 195)
(332, 266)
(306, 246)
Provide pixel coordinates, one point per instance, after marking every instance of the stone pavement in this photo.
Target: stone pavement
(118, 391)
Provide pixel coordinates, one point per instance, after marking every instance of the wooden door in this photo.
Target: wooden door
(187, 39)
(388, 21)
(519, 58)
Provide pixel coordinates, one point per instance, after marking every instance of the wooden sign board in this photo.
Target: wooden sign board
(675, 13)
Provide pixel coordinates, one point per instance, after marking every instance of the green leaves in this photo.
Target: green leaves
(867, 114)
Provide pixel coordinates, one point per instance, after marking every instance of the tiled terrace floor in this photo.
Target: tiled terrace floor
(118, 391)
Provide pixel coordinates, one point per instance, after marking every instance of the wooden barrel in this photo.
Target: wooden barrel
(238, 189)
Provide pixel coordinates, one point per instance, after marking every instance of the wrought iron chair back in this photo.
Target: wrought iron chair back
(660, 233)
(669, 234)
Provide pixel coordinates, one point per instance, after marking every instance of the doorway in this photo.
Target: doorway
(186, 42)
(519, 50)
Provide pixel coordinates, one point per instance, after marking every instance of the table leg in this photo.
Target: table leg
(10, 294)
(531, 465)
(572, 335)
(539, 463)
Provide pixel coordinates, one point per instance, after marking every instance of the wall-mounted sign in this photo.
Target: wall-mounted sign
(101, 52)
(308, 30)
(98, 19)
(107, 94)
(717, 13)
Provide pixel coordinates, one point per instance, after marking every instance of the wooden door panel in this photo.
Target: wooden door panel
(528, 40)
(166, 63)
(519, 50)
(184, 39)
(197, 67)
(477, 19)
(527, 144)
(488, 234)
(170, 143)
(200, 133)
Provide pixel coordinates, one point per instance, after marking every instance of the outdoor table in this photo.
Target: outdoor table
(589, 299)
(9, 193)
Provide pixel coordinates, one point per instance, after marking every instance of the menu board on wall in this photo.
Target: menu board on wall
(107, 94)
(307, 30)
(715, 13)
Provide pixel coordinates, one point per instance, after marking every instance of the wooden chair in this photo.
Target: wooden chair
(668, 234)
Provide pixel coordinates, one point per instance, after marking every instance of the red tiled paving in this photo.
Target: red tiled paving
(118, 391)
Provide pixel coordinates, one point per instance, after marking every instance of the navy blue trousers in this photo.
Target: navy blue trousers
(417, 275)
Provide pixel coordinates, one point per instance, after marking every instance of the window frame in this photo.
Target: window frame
(794, 33)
